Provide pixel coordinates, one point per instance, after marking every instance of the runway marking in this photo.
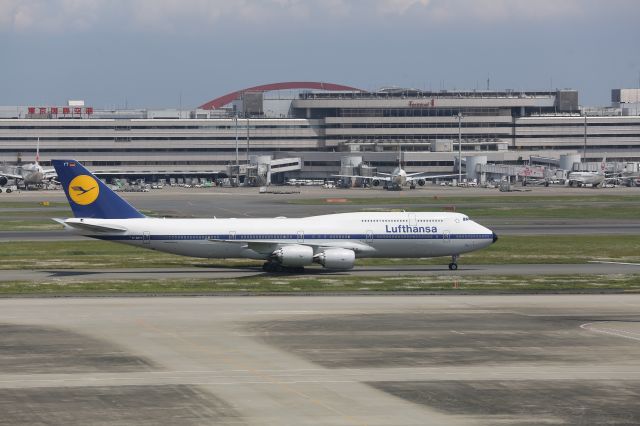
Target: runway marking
(613, 332)
(614, 263)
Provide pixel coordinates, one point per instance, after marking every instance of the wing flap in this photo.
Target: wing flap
(385, 178)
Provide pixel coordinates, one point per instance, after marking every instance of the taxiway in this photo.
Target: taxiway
(479, 360)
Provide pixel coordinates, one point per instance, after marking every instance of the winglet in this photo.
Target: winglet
(88, 196)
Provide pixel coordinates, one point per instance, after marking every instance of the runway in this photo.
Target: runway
(395, 360)
(406, 270)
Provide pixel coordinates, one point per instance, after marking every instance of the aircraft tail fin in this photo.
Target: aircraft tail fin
(603, 166)
(88, 196)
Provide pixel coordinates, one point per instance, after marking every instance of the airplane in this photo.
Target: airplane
(595, 179)
(29, 174)
(285, 244)
(398, 178)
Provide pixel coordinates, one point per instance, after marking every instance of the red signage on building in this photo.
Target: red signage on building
(56, 110)
(422, 104)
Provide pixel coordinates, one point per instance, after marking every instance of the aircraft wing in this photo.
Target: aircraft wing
(11, 176)
(416, 176)
(49, 173)
(267, 247)
(383, 178)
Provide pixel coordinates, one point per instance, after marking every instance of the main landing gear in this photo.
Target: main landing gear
(276, 267)
(454, 262)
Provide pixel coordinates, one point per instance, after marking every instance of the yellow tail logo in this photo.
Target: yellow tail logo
(83, 190)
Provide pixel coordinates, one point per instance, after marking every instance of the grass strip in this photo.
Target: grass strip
(449, 284)
(32, 204)
(508, 206)
(479, 198)
(28, 225)
(509, 249)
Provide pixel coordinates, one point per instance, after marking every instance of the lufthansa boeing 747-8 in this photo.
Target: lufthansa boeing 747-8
(334, 241)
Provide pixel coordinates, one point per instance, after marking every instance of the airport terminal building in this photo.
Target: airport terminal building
(313, 127)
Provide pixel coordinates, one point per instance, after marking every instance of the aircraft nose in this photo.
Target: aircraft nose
(495, 237)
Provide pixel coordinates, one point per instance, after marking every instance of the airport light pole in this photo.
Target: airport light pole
(247, 140)
(459, 148)
(584, 148)
(235, 119)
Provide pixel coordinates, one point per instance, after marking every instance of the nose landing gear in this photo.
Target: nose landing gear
(454, 262)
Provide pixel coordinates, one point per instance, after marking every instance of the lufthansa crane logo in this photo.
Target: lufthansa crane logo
(83, 190)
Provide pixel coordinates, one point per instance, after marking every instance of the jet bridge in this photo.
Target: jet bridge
(262, 167)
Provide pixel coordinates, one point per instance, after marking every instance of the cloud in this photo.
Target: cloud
(205, 16)
(399, 7)
(508, 10)
(49, 16)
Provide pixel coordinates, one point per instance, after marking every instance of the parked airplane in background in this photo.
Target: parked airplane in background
(27, 174)
(398, 178)
(594, 179)
(286, 244)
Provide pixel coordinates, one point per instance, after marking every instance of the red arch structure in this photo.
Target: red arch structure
(229, 97)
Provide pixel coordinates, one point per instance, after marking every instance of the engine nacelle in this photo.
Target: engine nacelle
(336, 258)
(375, 182)
(294, 255)
(3, 180)
(421, 182)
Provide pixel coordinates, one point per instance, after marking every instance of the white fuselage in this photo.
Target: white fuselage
(368, 234)
(399, 177)
(29, 174)
(586, 178)
(32, 173)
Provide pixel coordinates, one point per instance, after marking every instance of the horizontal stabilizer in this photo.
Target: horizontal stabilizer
(92, 227)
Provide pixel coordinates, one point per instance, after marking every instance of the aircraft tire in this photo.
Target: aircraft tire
(278, 268)
(453, 266)
(271, 267)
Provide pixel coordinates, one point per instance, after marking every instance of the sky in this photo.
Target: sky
(183, 53)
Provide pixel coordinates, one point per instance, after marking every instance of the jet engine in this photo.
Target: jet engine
(375, 182)
(421, 182)
(336, 258)
(294, 255)
(3, 180)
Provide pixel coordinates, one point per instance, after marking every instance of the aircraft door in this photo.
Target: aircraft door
(232, 235)
(446, 236)
(300, 236)
(369, 237)
(146, 237)
(412, 219)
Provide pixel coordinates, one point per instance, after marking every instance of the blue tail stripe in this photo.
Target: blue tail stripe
(88, 196)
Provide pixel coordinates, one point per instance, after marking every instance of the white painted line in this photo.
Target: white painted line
(612, 332)
(614, 263)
